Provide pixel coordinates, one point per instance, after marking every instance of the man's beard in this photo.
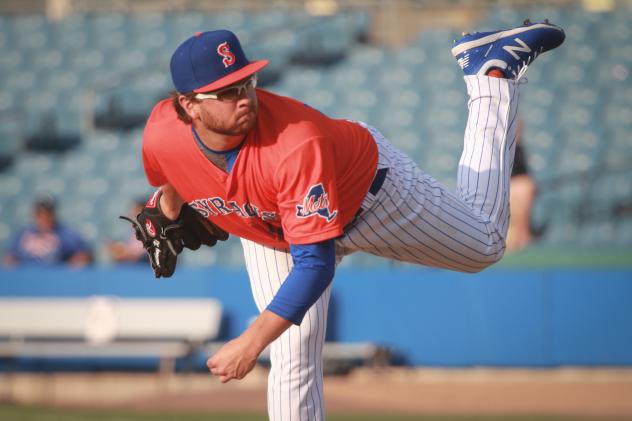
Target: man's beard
(234, 128)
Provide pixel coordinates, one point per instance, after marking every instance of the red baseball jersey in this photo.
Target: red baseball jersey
(299, 177)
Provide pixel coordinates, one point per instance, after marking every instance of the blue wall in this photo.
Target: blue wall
(499, 317)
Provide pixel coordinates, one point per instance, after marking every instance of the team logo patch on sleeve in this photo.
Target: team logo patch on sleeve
(316, 202)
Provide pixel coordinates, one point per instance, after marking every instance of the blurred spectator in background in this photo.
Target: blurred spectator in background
(47, 241)
(521, 197)
(131, 250)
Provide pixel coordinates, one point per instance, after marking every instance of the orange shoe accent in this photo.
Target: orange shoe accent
(496, 73)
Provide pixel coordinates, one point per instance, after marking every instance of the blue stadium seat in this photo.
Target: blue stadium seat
(366, 102)
(619, 141)
(233, 20)
(621, 96)
(366, 57)
(396, 79)
(348, 79)
(20, 82)
(75, 40)
(411, 57)
(503, 17)
(575, 162)
(560, 233)
(588, 96)
(32, 164)
(271, 19)
(72, 167)
(10, 62)
(598, 233)
(6, 42)
(624, 232)
(146, 22)
(73, 207)
(11, 186)
(612, 189)
(577, 32)
(544, 118)
(10, 139)
(52, 184)
(29, 31)
(121, 164)
(320, 99)
(447, 118)
(617, 116)
(406, 140)
(114, 40)
(102, 143)
(180, 26)
(107, 22)
(615, 32)
(92, 187)
(351, 112)
(75, 21)
(130, 59)
(154, 41)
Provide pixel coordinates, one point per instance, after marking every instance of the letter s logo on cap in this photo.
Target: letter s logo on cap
(224, 50)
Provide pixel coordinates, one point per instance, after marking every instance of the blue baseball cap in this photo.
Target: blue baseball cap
(209, 61)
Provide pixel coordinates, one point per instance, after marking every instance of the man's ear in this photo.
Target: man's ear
(190, 106)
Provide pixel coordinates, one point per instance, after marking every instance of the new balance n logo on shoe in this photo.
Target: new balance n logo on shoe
(511, 49)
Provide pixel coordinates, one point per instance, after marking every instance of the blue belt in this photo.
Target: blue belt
(378, 180)
(376, 185)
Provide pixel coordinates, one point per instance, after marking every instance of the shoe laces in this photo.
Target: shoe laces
(519, 75)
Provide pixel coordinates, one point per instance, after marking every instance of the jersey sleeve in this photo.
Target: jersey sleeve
(153, 172)
(307, 193)
(313, 271)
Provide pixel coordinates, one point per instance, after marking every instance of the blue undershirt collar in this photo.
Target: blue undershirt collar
(230, 155)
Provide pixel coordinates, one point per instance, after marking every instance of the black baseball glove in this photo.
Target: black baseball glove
(164, 238)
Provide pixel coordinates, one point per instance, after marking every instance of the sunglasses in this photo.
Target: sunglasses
(231, 93)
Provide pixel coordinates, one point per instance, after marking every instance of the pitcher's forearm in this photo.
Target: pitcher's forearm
(170, 202)
(265, 329)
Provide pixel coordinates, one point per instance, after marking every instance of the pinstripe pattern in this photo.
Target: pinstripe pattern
(415, 219)
(295, 382)
(412, 218)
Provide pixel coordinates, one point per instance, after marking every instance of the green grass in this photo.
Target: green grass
(21, 413)
(539, 257)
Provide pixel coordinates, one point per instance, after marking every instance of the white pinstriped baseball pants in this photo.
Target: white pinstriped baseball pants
(412, 218)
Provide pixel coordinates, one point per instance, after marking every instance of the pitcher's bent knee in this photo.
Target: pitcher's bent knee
(491, 252)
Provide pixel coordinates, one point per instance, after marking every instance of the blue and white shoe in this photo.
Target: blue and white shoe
(511, 50)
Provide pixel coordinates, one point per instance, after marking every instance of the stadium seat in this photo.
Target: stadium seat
(10, 142)
(5, 231)
(623, 234)
(53, 185)
(597, 233)
(11, 185)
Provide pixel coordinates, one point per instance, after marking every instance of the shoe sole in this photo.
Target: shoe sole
(495, 37)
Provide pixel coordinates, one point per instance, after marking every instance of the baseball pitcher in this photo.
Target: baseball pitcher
(302, 190)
